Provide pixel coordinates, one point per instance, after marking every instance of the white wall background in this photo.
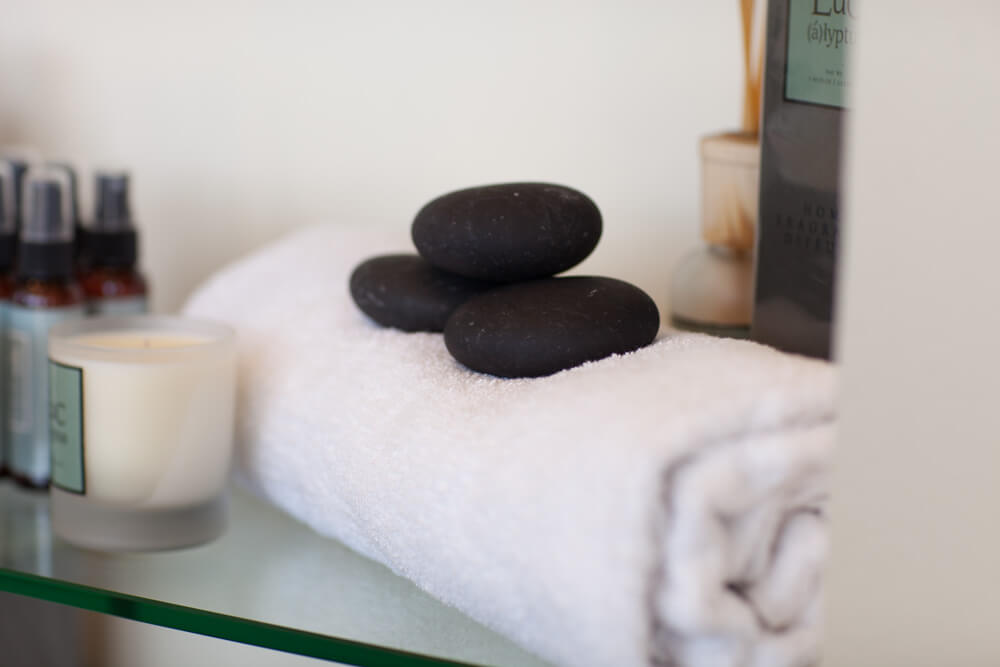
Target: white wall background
(242, 120)
(916, 495)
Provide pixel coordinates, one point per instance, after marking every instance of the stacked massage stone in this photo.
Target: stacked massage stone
(484, 276)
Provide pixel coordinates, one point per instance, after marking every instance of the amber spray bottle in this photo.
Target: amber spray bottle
(79, 235)
(45, 292)
(111, 282)
(8, 244)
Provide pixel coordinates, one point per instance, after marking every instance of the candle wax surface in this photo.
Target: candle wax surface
(139, 340)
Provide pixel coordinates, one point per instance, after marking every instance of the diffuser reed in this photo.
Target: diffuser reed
(752, 15)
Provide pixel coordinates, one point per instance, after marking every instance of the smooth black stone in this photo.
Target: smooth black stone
(509, 232)
(544, 326)
(406, 292)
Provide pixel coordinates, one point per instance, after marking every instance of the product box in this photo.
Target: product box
(805, 87)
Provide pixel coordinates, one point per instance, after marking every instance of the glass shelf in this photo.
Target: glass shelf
(268, 581)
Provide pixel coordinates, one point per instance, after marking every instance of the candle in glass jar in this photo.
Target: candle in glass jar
(141, 428)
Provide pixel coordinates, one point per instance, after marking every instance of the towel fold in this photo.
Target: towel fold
(664, 507)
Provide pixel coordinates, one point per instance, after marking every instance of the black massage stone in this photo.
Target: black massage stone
(509, 232)
(544, 326)
(406, 292)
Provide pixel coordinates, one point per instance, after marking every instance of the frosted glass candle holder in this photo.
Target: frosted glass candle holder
(141, 428)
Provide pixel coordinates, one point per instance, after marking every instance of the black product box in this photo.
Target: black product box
(805, 84)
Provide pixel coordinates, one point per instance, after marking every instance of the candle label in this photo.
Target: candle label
(27, 358)
(130, 305)
(66, 426)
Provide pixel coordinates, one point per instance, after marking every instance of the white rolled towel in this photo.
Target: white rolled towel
(664, 507)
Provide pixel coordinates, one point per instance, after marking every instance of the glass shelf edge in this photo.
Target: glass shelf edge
(212, 624)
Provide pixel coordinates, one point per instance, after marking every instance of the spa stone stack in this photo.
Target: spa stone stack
(484, 278)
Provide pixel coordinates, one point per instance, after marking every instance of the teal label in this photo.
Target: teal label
(27, 358)
(66, 426)
(820, 33)
(130, 305)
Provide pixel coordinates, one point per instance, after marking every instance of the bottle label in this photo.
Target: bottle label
(820, 34)
(19, 417)
(27, 356)
(66, 426)
(4, 392)
(130, 305)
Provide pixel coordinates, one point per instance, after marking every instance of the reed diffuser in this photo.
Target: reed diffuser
(711, 289)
